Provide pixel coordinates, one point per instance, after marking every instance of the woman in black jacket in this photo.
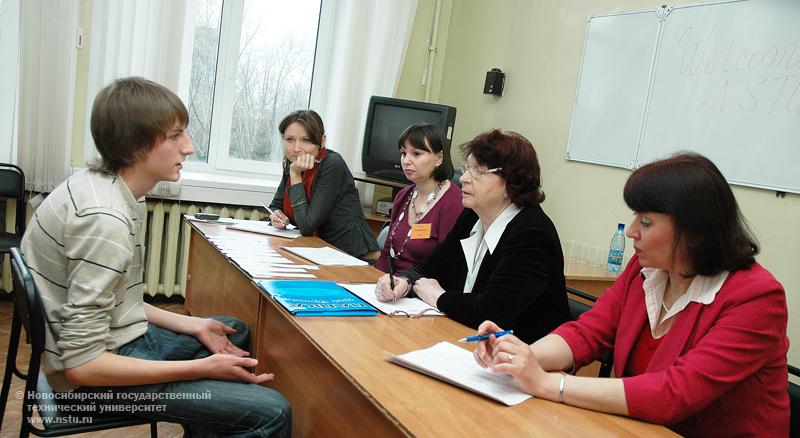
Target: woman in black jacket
(503, 259)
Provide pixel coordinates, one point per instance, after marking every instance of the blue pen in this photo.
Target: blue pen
(486, 336)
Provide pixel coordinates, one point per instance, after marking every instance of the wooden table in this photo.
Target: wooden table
(334, 373)
(587, 277)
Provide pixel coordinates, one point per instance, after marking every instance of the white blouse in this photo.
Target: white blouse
(478, 242)
(702, 290)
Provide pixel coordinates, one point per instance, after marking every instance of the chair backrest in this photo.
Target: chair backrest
(576, 309)
(794, 403)
(12, 185)
(56, 421)
(382, 236)
(29, 309)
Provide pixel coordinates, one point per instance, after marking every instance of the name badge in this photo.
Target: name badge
(421, 231)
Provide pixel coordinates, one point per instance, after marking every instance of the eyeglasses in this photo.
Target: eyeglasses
(477, 172)
(415, 315)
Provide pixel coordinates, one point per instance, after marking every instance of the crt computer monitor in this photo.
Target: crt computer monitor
(387, 118)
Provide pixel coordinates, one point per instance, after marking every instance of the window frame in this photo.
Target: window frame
(219, 161)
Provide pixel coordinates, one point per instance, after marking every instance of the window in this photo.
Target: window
(252, 62)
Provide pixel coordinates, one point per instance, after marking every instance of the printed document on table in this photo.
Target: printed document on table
(262, 227)
(403, 306)
(325, 256)
(456, 365)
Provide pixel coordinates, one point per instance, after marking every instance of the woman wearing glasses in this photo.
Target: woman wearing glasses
(503, 259)
(423, 213)
(317, 192)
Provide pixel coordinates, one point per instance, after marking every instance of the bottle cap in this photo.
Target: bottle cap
(621, 227)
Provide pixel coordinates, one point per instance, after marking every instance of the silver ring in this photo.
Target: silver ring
(510, 357)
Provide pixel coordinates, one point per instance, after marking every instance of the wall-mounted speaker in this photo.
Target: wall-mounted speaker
(495, 80)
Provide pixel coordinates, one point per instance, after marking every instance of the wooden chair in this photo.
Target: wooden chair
(576, 308)
(38, 396)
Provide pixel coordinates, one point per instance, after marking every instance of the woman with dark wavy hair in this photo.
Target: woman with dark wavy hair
(502, 260)
(698, 327)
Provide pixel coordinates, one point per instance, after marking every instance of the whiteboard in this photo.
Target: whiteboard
(723, 80)
(613, 88)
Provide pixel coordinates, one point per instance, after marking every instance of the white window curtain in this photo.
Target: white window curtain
(46, 90)
(360, 53)
(9, 75)
(135, 38)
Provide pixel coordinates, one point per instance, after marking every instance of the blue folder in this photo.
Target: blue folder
(316, 298)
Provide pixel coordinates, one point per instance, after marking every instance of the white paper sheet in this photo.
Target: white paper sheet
(455, 365)
(407, 306)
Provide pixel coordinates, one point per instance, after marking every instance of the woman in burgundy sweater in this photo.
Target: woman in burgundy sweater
(698, 327)
(424, 212)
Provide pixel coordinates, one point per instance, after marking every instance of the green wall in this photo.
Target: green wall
(538, 44)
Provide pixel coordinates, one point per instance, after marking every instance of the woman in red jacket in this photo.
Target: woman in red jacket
(698, 327)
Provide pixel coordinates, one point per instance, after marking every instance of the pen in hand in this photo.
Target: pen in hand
(272, 212)
(391, 274)
(486, 336)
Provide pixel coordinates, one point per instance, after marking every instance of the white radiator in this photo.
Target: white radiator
(166, 240)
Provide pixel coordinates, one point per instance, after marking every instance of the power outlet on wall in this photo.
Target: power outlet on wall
(165, 189)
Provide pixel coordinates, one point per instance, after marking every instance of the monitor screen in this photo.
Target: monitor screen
(389, 122)
(387, 118)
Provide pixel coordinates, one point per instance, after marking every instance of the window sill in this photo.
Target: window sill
(213, 188)
(224, 189)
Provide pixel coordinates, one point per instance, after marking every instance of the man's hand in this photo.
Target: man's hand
(214, 335)
(232, 368)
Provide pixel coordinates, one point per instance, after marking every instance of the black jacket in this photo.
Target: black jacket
(521, 286)
(335, 209)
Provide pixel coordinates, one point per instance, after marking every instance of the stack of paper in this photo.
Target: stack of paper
(455, 365)
(256, 257)
(325, 256)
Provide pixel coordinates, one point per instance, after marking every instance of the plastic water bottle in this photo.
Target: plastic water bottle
(617, 250)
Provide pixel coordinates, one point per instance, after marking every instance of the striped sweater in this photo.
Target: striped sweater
(82, 247)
